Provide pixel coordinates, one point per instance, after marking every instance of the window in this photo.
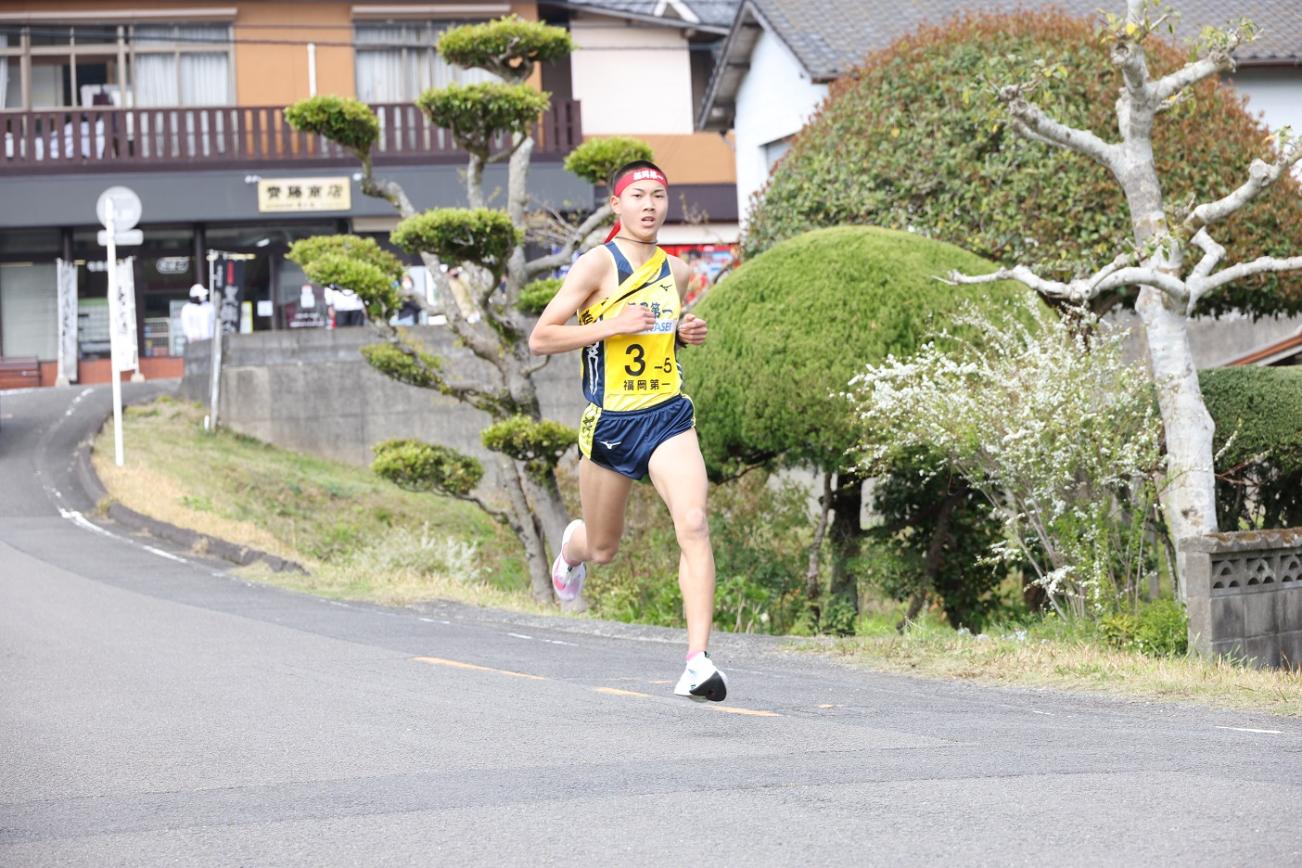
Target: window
(82, 65)
(48, 66)
(181, 64)
(775, 150)
(396, 61)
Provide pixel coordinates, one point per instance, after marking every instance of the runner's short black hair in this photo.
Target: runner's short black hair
(629, 167)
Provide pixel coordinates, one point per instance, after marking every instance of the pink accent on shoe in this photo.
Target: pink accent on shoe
(691, 655)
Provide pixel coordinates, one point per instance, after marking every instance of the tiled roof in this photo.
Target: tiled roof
(712, 13)
(829, 37)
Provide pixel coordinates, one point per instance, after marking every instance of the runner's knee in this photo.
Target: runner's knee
(602, 554)
(692, 525)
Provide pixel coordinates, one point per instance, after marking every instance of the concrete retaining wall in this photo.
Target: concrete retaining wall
(1245, 596)
(311, 391)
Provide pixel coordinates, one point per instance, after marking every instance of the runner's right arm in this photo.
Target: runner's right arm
(553, 334)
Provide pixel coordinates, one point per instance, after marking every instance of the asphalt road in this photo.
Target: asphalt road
(156, 710)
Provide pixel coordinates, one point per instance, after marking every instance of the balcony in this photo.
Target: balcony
(105, 139)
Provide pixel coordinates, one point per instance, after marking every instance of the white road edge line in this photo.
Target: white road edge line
(163, 554)
(84, 523)
(519, 636)
(1245, 729)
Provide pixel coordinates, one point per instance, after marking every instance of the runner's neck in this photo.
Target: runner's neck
(642, 251)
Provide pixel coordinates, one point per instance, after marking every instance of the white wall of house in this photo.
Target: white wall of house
(631, 79)
(1274, 94)
(774, 101)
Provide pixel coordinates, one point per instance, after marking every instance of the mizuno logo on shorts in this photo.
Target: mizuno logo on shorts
(610, 444)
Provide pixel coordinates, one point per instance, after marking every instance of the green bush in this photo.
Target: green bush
(342, 120)
(910, 499)
(1158, 629)
(761, 536)
(915, 138)
(597, 159)
(791, 327)
(509, 46)
(1258, 417)
(535, 297)
(419, 466)
(476, 113)
(479, 235)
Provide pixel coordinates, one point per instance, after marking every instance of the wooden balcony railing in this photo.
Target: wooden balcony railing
(66, 141)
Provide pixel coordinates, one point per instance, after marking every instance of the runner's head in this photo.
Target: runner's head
(639, 196)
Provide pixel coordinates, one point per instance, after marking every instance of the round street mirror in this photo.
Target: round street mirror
(126, 208)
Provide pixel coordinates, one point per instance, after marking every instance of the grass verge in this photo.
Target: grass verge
(364, 539)
(360, 537)
(1056, 655)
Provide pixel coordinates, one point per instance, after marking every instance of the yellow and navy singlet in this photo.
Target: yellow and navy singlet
(633, 382)
(634, 372)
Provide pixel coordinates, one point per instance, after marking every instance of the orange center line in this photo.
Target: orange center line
(751, 712)
(457, 664)
(615, 691)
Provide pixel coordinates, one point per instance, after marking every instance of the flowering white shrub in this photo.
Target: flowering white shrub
(1044, 418)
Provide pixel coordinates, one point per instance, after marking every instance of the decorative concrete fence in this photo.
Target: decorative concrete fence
(1245, 596)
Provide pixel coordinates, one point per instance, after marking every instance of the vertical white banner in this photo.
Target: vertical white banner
(67, 291)
(122, 317)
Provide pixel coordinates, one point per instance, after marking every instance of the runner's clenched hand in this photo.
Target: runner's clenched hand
(634, 318)
(692, 329)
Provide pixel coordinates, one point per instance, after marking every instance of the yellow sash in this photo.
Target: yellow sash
(647, 271)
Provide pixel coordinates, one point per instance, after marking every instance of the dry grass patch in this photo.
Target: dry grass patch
(360, 537)
(1006, 659)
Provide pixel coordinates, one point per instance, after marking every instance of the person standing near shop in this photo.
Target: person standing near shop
(346, 308)
(197, 316)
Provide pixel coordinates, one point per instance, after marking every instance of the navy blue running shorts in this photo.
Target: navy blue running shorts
(624, 441)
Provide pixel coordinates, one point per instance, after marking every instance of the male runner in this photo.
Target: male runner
(627, 295)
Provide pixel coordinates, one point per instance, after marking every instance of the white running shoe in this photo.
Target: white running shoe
(702, 680)
(566, 579)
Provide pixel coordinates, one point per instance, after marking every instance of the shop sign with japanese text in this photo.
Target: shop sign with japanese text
(304, 194)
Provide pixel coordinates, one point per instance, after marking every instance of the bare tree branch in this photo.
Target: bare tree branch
(1214, 61)
(1030, 116)
(1106, 271)
(579, 236)
(1213, 253)
(1261, 175)
(533, 369)
(478, 398)
(390, 191)
(1261, 265)
(1083, 289)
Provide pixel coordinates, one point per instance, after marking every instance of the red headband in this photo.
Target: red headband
(643, 174)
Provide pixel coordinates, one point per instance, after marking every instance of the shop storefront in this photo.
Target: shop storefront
(163, 268)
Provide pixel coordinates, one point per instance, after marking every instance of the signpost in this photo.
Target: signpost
(118, 209)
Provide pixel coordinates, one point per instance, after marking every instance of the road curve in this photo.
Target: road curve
(155, 709)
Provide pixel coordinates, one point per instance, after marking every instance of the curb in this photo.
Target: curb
(189, 540)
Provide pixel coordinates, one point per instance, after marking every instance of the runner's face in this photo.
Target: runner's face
(642, 208)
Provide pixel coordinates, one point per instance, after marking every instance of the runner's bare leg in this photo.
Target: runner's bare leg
(604, 495)
(678, 473)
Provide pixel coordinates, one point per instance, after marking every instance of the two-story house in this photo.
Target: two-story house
(780, 56)
(183, 102)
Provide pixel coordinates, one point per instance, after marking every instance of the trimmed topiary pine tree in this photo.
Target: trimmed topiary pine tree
(491, 121)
